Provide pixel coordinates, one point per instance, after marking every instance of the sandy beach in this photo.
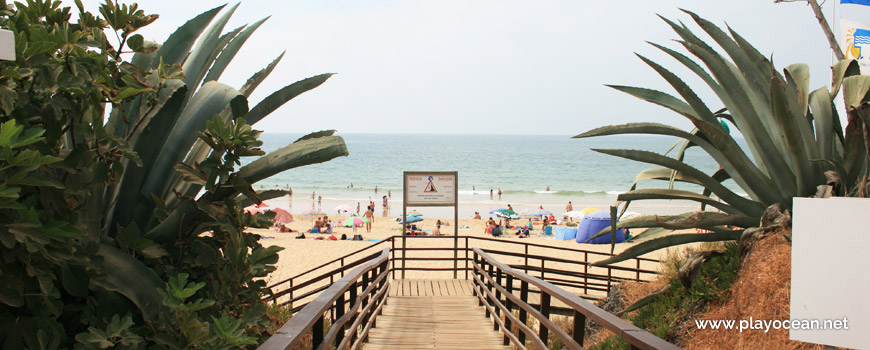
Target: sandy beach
(301, 255)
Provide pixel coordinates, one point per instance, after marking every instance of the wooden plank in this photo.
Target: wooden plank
(428, 285)
(433, 322)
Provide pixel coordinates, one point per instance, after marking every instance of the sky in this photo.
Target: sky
(488, 66)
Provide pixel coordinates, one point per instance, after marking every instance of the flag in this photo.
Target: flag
(855, 42)
(856, 2)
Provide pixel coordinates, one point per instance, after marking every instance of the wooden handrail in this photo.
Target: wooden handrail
(635, 336)
(290, 334)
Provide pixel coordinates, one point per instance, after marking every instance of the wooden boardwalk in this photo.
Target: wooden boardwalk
(433, 314)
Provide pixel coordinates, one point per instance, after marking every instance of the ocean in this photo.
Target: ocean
(522, 166)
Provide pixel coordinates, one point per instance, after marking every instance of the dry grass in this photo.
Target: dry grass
(761, 291)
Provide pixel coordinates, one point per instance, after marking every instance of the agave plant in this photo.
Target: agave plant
(97, 215)
(796, 143)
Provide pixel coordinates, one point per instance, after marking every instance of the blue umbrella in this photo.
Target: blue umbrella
(413, 218)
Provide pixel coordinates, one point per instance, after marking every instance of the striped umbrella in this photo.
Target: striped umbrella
(535, 213)
(312, 214)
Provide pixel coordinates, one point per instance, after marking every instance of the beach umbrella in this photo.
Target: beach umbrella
(505, 213)
(313, 214)
(537, 212)
(413, 218)
(575, 214)
(355, 221)
(588, 210)
(282, 216)
(414, 212)
(252, 209)
(343, 207)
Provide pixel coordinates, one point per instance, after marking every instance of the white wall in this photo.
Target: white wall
(829, 269)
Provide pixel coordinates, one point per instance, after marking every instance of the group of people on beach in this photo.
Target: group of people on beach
(321, 225)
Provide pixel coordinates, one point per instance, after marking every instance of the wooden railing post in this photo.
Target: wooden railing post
(544, 332)
(317, 333)
(526, 264)
(524, 296)
(291, 294)
(579, 327)
(609, 280)
(466, 257)
(497, 295)
(339, 311)
(509, 304)
(638, 269)
(542, 269)
(342, 267)
(393, 251)
(404, 240)
(585, 273)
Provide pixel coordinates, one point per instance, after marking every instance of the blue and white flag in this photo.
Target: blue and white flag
(857, 2)
(855, 42)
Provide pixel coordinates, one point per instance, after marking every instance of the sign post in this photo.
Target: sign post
(431, 189)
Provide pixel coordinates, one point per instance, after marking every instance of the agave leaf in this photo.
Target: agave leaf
(294, 155)
(228, 53)
(760, 61)
(651, 233)
(701, 110)
(244, 201)
(676, 194)
(663, 174)
(822, 107)
(657, 97)
(740, 104)
(798, 77)
(745, 173)
(120, 272)
(176, 48)
(753, 76)
(701, 219)
(694, 67)
(316, 134)
(280, 97)
(669, 241)
(843, 69)
(125, 195)
(199, 60)
(208, 101)
(855, 89)
(742, 204)
(258, 77)
(143, 60)
(783, 112)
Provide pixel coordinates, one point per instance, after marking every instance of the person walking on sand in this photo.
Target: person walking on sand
(370, 214)
(312, 195)
(490, 194)
(569, 207)
(357, 208)
(390, 194)
(499, 193)
(319, 198)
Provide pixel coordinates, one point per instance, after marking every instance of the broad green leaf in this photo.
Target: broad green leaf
(701, 219)
(130, 277)
(798, 76)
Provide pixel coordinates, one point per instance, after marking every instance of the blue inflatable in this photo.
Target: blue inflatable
(594, 223)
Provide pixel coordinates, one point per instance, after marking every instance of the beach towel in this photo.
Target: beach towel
(333, 238)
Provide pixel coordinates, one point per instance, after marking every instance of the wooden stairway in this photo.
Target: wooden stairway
(433, 314)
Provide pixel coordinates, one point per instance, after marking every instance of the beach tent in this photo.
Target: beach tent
(594, 223)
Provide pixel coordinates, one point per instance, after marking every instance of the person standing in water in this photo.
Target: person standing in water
(499, 193)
